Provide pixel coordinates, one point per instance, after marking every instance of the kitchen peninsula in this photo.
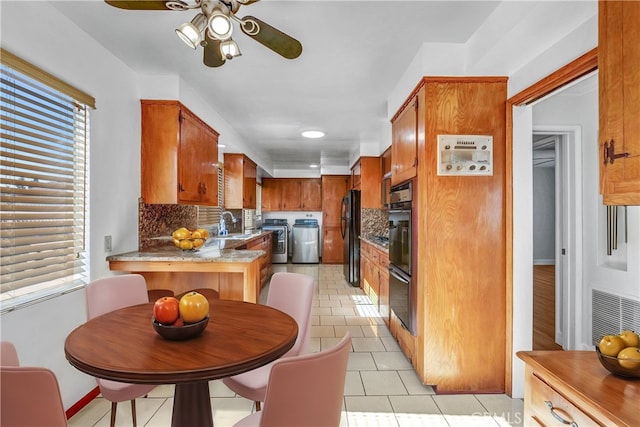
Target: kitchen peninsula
(232, 271)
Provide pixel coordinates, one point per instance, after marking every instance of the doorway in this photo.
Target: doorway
(547, 226)
(559, 148)
(557, 232)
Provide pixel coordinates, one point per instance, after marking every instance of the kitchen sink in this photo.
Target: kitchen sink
(234, 236)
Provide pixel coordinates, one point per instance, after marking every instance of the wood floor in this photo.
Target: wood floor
(544, 303)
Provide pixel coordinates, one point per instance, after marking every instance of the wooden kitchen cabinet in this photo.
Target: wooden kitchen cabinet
(356, 175)
(291, 194)
(179, 156)
(371, 182)
(574, 386)
(619, 101)
(404, 142)
(374, 270)
(311, 197)
(459, 255)
(386, 161)
(239, 182)
(263, 243)
(271, 195)
(334, 188)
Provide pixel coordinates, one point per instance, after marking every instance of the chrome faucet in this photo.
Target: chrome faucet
(222, 230)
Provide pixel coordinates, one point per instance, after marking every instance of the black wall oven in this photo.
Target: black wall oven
(401, 289)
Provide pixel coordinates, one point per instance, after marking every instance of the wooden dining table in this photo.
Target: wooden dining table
(123, 346)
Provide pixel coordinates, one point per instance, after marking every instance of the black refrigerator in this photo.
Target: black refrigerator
(350, 228)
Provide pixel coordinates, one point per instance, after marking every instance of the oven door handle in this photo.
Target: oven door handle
(395, 274)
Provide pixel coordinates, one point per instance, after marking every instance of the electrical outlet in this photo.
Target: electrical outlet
(107, 243)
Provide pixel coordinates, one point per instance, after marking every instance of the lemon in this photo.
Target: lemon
(176, 242)
(181, 233)
(197, 243)
(186, 244)
(196, 235)
(203, 232)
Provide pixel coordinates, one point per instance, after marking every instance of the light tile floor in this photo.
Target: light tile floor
(381, 387)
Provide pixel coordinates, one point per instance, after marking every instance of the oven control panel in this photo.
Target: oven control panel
(469, 155)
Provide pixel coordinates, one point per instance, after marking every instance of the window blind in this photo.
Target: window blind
(210, 215)
(43, 184)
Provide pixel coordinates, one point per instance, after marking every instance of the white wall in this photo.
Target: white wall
(544, 192)
(40, 34)
(618, 274)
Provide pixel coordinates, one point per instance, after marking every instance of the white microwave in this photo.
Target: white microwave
(470, 155)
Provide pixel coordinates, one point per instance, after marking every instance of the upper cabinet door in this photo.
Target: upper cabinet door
(291, 194)
(271, 195)
(311, 194)
(179, 156)
(404, 140)
(239, 182)
(619, 105)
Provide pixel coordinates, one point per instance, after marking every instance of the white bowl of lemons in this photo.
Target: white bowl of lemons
(189, 240)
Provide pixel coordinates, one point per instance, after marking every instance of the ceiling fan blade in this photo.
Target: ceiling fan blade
(272, 38)
(212, 55)
(139, 4)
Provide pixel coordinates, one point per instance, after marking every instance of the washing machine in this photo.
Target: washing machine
(306, 241)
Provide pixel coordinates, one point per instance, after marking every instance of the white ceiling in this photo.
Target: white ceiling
(354, 53)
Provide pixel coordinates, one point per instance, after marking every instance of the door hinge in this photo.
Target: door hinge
(609, 153)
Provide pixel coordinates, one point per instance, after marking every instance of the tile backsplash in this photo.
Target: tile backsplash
(157, 222)
(374, 222)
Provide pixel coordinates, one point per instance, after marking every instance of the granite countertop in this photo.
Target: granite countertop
(209, 253)
(377, 241)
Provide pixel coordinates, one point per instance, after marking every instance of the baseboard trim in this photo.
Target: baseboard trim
(76, 407)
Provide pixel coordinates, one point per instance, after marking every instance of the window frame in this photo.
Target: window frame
(77, 102)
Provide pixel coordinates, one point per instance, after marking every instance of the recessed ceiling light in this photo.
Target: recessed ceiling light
(313, 134)
(313, 165)
(221, 146)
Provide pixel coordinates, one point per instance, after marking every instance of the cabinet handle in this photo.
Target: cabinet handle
(204, 188)
(610, 152)
(180, 187)
(558, 417)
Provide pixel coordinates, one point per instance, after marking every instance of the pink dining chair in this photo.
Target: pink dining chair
(106, 295)
(291, 293)
(23, 386)
(8, 354)
(305, 390)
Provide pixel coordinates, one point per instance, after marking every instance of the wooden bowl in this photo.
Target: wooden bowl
(612, 364)
(180, 333)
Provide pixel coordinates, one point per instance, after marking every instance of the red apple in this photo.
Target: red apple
(193, 307)
(166, 310)
(630, 358)
(610, 345)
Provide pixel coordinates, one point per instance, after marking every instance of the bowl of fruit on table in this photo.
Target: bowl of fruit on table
(189, 240)
(183, 319)
(620, 354)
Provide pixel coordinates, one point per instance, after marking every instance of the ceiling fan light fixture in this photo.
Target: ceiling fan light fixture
(219, 25)
(313, 134)
(230, 49)
(191, 32)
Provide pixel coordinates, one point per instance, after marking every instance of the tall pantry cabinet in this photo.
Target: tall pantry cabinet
(459, 221)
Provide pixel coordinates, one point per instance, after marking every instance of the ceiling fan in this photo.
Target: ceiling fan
(211, 28)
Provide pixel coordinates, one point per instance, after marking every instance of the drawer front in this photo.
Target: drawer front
(547, 407)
